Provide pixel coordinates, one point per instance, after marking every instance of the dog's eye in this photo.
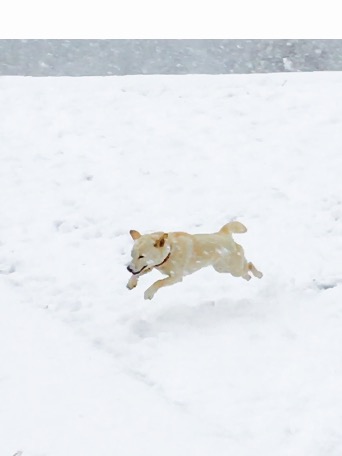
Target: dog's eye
(141, 256)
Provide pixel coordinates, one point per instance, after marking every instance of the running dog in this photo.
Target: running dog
(179, 254)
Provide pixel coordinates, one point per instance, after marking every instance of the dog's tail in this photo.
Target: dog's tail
(233, 227)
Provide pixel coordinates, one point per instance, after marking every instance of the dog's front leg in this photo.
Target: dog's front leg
(133, 282)
(152, 290)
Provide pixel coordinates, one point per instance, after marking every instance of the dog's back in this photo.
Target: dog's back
(191, 252)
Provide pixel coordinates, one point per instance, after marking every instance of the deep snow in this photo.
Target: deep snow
(211, 366)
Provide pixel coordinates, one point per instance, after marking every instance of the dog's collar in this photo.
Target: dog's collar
(160, 264)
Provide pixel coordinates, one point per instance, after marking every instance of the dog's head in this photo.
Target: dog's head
(149, 250)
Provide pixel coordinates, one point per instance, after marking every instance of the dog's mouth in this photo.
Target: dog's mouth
(136, 273)
(149, 265)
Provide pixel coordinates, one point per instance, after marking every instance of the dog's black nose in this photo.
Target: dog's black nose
(129, 269)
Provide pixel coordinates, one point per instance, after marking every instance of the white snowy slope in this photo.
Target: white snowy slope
(214, 365)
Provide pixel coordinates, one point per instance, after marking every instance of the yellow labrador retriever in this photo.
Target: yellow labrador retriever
(179, 254)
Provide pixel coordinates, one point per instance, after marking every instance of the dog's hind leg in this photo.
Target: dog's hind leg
(254, 271)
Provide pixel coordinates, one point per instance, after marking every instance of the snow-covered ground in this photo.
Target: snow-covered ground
(214, 365)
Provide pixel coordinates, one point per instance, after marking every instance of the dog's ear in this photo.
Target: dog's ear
(161, 241)
(134, 234)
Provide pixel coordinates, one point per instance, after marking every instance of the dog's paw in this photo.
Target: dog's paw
(247, 277)
(132, 283)
(149, 293)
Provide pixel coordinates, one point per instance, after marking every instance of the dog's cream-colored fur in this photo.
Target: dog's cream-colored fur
(179, 254)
